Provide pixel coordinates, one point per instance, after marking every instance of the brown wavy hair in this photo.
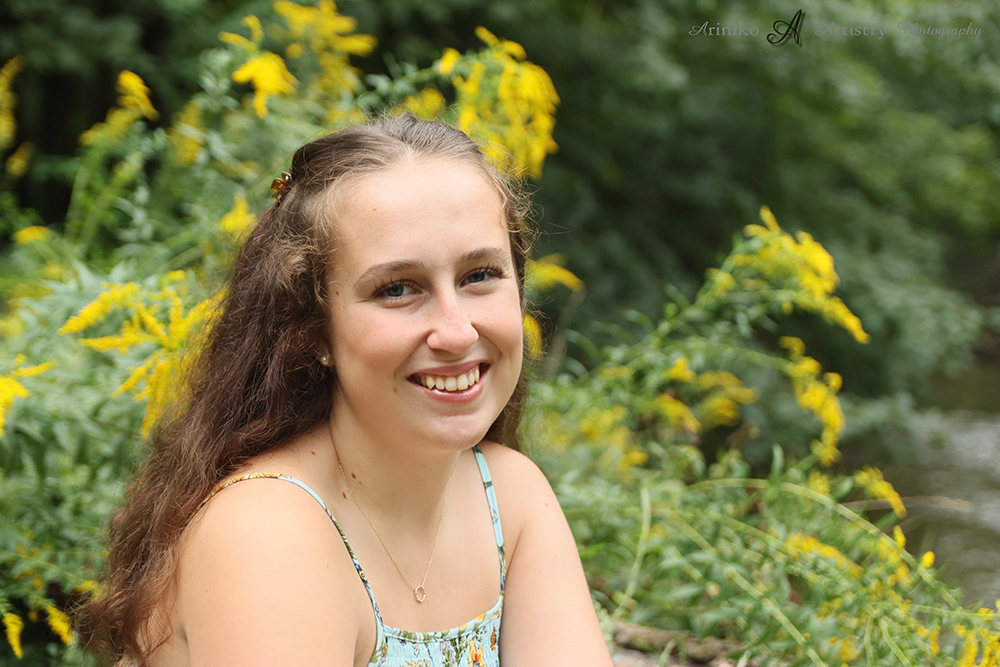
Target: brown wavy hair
(256, 382)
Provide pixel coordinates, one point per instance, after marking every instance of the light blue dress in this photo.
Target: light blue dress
(473, 644)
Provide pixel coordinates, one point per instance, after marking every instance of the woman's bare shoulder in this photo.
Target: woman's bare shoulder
(521, 487)
(262, 568)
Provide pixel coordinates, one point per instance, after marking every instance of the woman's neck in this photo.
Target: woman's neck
(395, 482)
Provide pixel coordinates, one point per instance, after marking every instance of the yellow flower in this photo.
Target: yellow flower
(187, 133)
(678, 414)
(17, 163)
(60, 624)
(11, 389)
(927, 560)
(237, 222)
(532, 336)
(507, 102)
(331, 38)
(819, 482)
(115, 296)
(87, 586)
(135, 95)
(428, 103)
(162, 369)
(545, 273)
(133, 105)
(801, 266)
(680, 371)
(269, 76)
(721, 281)
(877, 487)
(718, 410)
(633, 457)
(31, 234)
(799, 544)
(13, 626)
(820, 398)
(797, 347)
(8, 100)
(448, 61)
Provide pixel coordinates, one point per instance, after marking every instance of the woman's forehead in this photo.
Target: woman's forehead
(436, 197)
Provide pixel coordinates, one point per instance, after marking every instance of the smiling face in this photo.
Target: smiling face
(425, 315)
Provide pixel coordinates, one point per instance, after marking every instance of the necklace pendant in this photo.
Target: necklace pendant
(419, 594)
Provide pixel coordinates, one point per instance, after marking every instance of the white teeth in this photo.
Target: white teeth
(452, 383)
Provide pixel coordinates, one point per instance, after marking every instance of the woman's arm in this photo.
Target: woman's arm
(264, 579)
(548, 616)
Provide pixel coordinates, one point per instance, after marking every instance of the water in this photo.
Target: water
(954, 475)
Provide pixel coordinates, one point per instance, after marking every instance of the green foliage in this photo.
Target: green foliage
(675, 539)
(644, 438)
(884, 148)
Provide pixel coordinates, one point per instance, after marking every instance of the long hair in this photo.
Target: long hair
(257, 382)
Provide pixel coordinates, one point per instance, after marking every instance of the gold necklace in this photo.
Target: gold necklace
(419, 592)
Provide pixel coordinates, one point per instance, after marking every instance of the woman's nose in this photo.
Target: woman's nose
(451, 327)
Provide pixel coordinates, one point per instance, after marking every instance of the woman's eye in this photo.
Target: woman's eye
(482, 275)
(394, 290)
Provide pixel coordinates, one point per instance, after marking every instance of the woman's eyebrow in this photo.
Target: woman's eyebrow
(485, 254)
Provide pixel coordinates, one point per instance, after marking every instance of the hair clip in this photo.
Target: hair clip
(280, 186)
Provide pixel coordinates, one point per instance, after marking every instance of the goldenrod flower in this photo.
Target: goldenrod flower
(159, 373)
(135, 95)
(678, 414)
(427, 104)
(545, 273)
(800, 544)
(718, 410)
(13, 626)
(927, 560)
(8, 100)
(86, 586)
(803, 267)
(506, 101)
(819, 482)
(877, 487)
(532, 336)
(187, 133)
(11, 389)
(601, 425)
(237, 222)
(269, 76)
(31, 234)
(680, 371)
(115, 297)
(448, 61)
(133, 105)
(794, 344)
(17, 163)
(331, 38)
(60, 624)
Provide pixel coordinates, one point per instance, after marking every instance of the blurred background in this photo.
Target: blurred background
(884, 148)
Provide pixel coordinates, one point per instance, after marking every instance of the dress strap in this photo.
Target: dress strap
(305, 487)
(491, 497)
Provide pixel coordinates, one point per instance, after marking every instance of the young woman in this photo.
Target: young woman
(333, 491)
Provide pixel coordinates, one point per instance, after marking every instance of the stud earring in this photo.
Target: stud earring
(325, 360)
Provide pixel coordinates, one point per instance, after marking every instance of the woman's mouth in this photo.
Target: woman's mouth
(448, 383)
